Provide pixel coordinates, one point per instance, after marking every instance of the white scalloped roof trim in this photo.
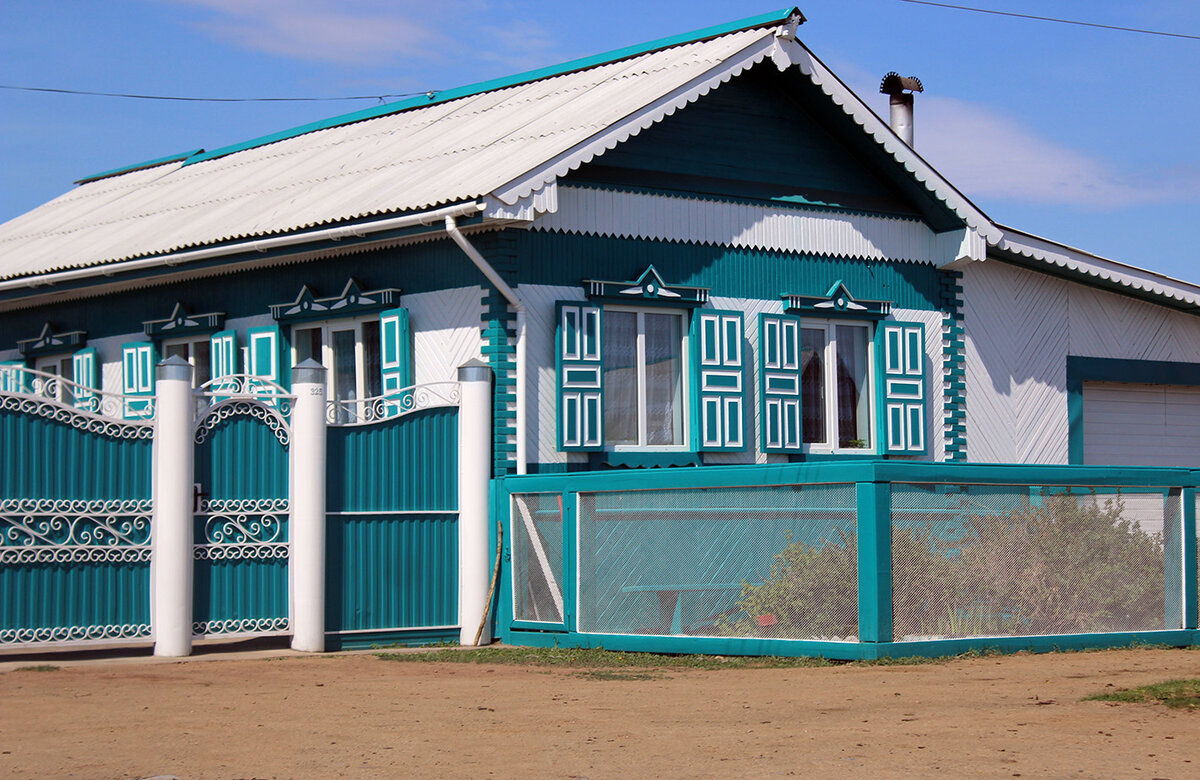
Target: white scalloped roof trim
(1046, 251)
(648, 116)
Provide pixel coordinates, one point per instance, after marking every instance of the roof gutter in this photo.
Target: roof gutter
(510, 295)
(242, 247)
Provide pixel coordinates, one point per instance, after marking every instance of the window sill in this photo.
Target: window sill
(625, 459)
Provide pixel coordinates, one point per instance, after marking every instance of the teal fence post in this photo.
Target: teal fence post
(1188, 535)
(874, 561)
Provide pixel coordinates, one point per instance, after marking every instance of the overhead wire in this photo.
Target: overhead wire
(1053, 19)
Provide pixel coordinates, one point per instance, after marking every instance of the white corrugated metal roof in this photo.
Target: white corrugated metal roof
(415, 159)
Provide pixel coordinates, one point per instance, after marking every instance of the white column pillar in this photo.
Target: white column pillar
(307, 523)
(474, 476)
(171, 530)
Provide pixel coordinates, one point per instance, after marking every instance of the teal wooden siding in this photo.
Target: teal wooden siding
(69, 485)
(406, 464)
(565, 259)
(392, 526)
(391, 571)
(44, 458)
(241, 458)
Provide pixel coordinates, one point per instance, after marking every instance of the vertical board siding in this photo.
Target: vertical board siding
(406, 464)
(44, 595)
(242, 458)
(250, 589)
(388, 571)
(42, 458)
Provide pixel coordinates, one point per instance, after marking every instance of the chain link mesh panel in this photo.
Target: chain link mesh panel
(742, 562)
(1013, 560)
(537, 557)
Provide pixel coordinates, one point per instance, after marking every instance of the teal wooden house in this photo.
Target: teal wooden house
(681, 318)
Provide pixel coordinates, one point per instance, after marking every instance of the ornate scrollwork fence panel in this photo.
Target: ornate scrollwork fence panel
(97, 550)
(28, 392)
(392, 405)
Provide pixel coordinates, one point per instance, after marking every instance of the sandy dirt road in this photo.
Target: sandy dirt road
(360, 716)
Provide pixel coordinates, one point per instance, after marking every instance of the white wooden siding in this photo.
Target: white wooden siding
(776, 228)
(541, 389)
(1129, 424)
(446, 331)
(1020, 327)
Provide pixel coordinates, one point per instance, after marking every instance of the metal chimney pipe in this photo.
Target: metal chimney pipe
(900, 91)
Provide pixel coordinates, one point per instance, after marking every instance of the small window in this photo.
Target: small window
(836, 385)
(60, 366)
(349, 350)
(197, 351)
(644, 354)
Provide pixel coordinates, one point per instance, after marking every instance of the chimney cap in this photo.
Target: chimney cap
(894, 84)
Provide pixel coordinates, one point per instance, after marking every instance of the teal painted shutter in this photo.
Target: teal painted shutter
(137, 379)
(780, 398)
(719, 361)
(223, 353)
(263, 353)
(83, 369)
(12, 376)
(900, 347)
(580, 377)
(395, 346)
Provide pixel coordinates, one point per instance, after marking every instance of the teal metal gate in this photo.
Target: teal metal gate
(241, 509)
(75, 509)
(392, 522)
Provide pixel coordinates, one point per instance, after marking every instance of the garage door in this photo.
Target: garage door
(1141, 425)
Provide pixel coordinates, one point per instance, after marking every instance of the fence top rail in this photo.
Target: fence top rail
(243, 386)
(392, 404)
(27, 390)
(855, 471)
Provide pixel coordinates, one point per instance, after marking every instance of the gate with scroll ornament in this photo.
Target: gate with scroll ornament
(75, 511)
(241, 552)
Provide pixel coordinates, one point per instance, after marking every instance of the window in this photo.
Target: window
(349, 349)
(643, 354)
(197, 351)
(836, 382)
(60, 366)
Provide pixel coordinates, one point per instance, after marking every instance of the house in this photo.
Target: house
(701, 252)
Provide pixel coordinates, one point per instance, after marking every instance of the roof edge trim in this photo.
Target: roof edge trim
(433, 97)
(139, 166)
(1053, 253)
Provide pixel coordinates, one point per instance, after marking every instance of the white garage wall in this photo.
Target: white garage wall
(1020, 326)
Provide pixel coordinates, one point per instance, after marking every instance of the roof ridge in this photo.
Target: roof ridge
(434, 97)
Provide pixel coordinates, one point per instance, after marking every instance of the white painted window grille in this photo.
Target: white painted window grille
(837, 381)
(645, 384)
(350, 350)
(196, 350)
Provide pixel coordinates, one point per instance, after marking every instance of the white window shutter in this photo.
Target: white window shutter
(780, 400)
(580, 372)
(224, 351)
(900, 347)
(137, 379)
(83, 369)
(719, 372)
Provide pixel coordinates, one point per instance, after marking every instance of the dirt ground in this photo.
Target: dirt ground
(357, 715)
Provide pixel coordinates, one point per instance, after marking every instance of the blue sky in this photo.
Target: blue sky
(1085, 136)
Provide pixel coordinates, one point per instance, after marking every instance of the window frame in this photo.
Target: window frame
(686, 400)
(190, 342)
(829, 446)
(327, 327)
(57, 362)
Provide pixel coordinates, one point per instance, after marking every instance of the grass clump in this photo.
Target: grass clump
(1177, 694)
(38, 668)
(599, 658)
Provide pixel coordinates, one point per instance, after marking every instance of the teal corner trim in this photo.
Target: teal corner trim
(170, 158)
(433, 97)
(874, 561)
(954, 364)
(1191, 583)
(1091, 369)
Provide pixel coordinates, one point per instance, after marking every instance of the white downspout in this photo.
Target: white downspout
(511, 296)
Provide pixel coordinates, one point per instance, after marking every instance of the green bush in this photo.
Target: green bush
(1054, 566)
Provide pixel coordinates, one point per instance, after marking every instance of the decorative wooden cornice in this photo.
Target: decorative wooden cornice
(181, 323)
(647, 288)
(352, 302)
(48, 342)
(838, 302)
